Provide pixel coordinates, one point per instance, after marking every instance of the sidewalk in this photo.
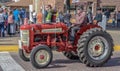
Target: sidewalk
(115, 33)
(11, 43)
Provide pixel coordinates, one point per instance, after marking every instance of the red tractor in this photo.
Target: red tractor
(92, 45)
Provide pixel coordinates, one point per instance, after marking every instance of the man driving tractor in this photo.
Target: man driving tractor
(80, 20)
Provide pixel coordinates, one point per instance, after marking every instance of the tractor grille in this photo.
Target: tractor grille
(24, 35)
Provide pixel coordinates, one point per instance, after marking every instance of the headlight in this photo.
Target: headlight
(24, 36)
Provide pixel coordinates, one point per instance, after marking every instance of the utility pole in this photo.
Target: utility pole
(43, 11)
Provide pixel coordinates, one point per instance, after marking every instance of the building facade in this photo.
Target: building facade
(38, 4)
(112, 5)
(64, 4)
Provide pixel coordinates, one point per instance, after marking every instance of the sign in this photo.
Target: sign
(30, 12)
(16, 0)
(74, 1)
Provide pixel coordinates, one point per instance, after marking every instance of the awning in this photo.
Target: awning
(108, 4)
(21, 3)
(109, 7)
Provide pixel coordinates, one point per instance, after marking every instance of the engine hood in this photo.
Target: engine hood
(44, 26)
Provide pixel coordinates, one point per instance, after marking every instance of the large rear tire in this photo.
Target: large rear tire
(71, 55)
(95, 47)
(41, 56)
(23, 55)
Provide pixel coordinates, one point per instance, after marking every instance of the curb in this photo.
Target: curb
(14, 48)
(117, 48)
(11, 48)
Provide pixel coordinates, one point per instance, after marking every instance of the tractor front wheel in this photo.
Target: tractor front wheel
(41, 56)
(24, 55)
(95, 47)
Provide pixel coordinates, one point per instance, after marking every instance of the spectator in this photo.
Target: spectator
(118, 19)
(6, 19)
(16, 16)
(98, 17)
(67, 18)
(34, 15)
(111, 21)
(27, 14)
(104, 22)
(22, 15)
(89, 17)
(39, 17)
(59, 16)
(44, 12)
(2, 34)
(107, 14)
(11, 25)
(49, 15)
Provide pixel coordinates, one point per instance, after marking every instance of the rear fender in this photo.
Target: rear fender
(84, 29)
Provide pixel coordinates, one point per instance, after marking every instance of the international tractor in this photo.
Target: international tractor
(92, 45)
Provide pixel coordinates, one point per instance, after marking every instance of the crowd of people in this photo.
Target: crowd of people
(10, 20)
(111, 18)
(47, 15)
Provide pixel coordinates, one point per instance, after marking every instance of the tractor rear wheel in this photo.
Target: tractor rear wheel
(71, 55)
(23, 55)
(95, 47)
(41, 56)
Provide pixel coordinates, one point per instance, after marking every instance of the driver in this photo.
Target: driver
(80, 19)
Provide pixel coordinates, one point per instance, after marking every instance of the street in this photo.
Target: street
(86, 30)
(12, 62)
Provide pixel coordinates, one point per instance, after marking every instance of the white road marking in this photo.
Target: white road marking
(7, 63)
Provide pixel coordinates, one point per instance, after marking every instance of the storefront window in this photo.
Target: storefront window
(110, 8)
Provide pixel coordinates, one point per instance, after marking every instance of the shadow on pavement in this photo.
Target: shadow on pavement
(65, 61)
(60, 63)
(114, 29)
(55, 66)
(113, 62)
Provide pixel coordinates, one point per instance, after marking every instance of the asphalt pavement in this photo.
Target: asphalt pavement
(12, 62)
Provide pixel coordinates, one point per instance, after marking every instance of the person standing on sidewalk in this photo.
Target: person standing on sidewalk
(22, 15)
(59, 16)
(49, 14)
(34, 15)
(16, 15)
(118, 19)
(66, 19)
(89, 16)
(39, 17)
(98, 17)
(5, 12)
(2, 29)
(11, 25)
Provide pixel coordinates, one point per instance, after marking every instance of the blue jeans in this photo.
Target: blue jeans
(73, 31)
(34, 20)
(17, 23)
(2, 29)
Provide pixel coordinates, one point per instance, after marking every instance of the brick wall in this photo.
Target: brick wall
(60, 3)
(37, 4)
(54, 3)
(115, 3)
